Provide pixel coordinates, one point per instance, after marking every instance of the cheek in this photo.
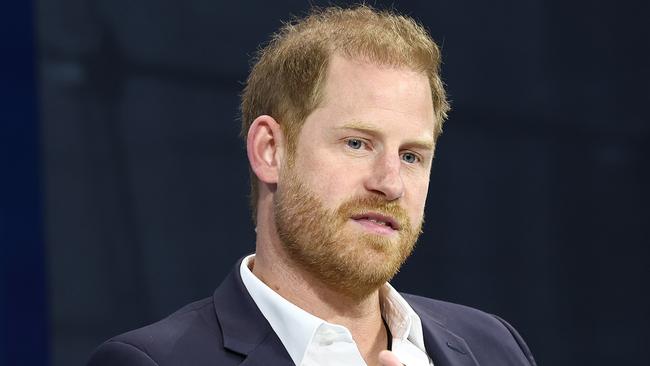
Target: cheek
(331, 177)
(334, 186)
(418, 197)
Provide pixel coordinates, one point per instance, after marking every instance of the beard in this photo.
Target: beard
(347, 260)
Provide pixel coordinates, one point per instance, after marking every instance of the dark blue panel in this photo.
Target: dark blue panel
(23, 318)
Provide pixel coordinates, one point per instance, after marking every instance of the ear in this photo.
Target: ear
(265, 148)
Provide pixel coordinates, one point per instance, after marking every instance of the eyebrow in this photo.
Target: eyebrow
(424, 144)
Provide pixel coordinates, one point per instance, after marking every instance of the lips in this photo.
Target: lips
(378, 220)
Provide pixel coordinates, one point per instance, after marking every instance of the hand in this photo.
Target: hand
(388, 358)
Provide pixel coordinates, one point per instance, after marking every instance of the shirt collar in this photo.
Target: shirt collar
(295, 327)
(402, 320)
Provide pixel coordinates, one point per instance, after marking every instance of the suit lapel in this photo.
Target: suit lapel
(243, 327)
(444, 347)
(245, 330)
(269, 352)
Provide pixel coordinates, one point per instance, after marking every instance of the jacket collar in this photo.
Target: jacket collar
(244, 328)
(443, 346)
(247, 332)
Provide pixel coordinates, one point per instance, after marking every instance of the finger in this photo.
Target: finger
(388, 358)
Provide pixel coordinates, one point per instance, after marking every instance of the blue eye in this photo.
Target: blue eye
(410, 158)
(355, 144)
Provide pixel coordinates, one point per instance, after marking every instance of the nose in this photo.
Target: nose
(385, 178)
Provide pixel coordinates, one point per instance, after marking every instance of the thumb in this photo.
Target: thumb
(388, 358)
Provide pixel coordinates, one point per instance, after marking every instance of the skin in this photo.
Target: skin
(372, 135)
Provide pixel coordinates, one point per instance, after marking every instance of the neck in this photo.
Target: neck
(361, 316)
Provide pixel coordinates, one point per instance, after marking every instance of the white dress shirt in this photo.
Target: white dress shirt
(312, 341)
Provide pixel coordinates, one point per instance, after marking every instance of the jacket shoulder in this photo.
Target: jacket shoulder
(484, 333)
(191, 335)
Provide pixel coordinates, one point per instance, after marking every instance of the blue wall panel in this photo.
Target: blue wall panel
(23, 315)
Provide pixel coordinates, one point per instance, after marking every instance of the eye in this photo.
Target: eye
(410, 158)
(355, 144)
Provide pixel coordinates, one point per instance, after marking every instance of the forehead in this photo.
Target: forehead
(359, 91)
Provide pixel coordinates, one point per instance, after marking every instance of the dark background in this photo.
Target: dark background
(127, 198)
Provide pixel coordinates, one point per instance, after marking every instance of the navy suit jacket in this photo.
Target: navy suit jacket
(228, 329)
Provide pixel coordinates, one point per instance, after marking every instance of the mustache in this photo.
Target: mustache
(363, 205)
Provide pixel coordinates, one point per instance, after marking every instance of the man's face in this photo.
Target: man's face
(350, 205)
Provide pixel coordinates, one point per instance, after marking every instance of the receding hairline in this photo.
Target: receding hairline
(325, 93)
(287, 74)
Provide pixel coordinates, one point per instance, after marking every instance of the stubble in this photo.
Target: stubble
(343, 258)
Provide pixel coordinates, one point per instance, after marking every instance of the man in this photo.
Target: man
(340, 113)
